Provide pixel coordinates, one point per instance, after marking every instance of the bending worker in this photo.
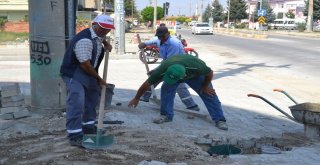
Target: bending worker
(183, 69)
(169, 46)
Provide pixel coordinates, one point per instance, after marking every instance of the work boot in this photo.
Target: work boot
(222, 125)
(194, 108)
(162, 119)
(76, 141)
(144, 99)
(92, 130)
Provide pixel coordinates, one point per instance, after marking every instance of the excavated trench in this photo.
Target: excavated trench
(264, 145)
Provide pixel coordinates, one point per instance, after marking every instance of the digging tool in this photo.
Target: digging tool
(154, 98)
(100, 141)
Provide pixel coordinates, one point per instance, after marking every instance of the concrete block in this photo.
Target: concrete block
(21, 114)
(10, 109)
(4, 124)
(13, 103)
(14, 86)
(8, 116)
(12, 98)
(9, 93)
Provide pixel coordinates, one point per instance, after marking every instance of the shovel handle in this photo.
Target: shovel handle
(285, 93)
(277, 90)
(274, 106)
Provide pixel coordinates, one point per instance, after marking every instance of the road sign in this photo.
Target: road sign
(262, 12)
(262, 20)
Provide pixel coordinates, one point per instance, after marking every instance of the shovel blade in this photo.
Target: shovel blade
(95, 142)
(155, 101)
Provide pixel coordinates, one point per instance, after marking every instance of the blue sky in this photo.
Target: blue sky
(178, 6)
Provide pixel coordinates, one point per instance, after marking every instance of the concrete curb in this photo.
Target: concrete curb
(243, 35)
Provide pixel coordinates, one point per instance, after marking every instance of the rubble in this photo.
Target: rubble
(12, 103)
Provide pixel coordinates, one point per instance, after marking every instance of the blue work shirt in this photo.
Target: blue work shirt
(171, 47)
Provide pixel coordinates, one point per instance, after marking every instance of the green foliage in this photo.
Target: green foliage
(127, 6)
(316, 9)
(290, 14)
(241, 26)
(188, 20)
(2, 23)
(182, 19)
(270, 16)
(207, 13)
(83, 22)
(238, 10)
(217, 11)
(11, 36)
(147, 13)
(301, 26)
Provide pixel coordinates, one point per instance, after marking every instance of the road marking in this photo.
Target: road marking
(280, 40)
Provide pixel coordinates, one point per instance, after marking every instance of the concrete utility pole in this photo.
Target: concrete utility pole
(119, 27)
(155, 15)
(310, 17)
(52, 26)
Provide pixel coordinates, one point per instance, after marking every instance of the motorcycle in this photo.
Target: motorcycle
(152, 52)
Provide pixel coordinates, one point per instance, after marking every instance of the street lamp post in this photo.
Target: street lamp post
(211, 18)
(155, 15)
(228, 15)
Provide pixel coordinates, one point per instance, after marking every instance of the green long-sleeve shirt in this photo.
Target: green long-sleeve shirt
(194, 67)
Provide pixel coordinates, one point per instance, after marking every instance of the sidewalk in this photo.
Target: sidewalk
(252, 123)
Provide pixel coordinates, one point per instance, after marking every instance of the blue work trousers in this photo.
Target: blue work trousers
(212, 103)
(81, 104)
(182, 91)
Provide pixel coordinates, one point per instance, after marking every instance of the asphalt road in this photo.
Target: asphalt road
(302, 54)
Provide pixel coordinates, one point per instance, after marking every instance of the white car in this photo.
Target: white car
(201, 28)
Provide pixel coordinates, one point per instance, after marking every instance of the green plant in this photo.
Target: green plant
(301, 26)
(82, 22)
(11, 36)
(2, 23)
(241, 26)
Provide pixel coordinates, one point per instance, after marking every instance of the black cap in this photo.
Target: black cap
(161, 31)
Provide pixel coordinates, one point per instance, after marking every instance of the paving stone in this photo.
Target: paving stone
(4, 124)
(10, 109)
(9, 93)
(13, 103)
(12, 98)
(21, 114)
(8, 116)
(14, 86)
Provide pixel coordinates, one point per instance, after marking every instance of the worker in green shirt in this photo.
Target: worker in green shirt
(183, 69)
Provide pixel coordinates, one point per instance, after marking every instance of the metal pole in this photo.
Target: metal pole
(155, 15)
(260, 25)
(98, 5)
(132, 10)
(228, 15)
(119, 27)
(310, 16)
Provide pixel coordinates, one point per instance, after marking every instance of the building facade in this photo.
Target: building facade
(281, 7)
(14, 10)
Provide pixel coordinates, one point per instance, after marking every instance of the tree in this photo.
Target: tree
(217, 11)
(127, 6)
(270, 16)
(290, 14)
(147, 13)
(238, 10)
(207, 13)
(316, 9)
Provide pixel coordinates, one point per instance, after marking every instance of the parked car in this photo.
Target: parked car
(192, 23)
(178, 25)
(201, 28)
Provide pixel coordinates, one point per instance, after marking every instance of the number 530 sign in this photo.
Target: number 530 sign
(40, 52)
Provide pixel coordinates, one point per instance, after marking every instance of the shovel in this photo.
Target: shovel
(154, 98)
(100, 141)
